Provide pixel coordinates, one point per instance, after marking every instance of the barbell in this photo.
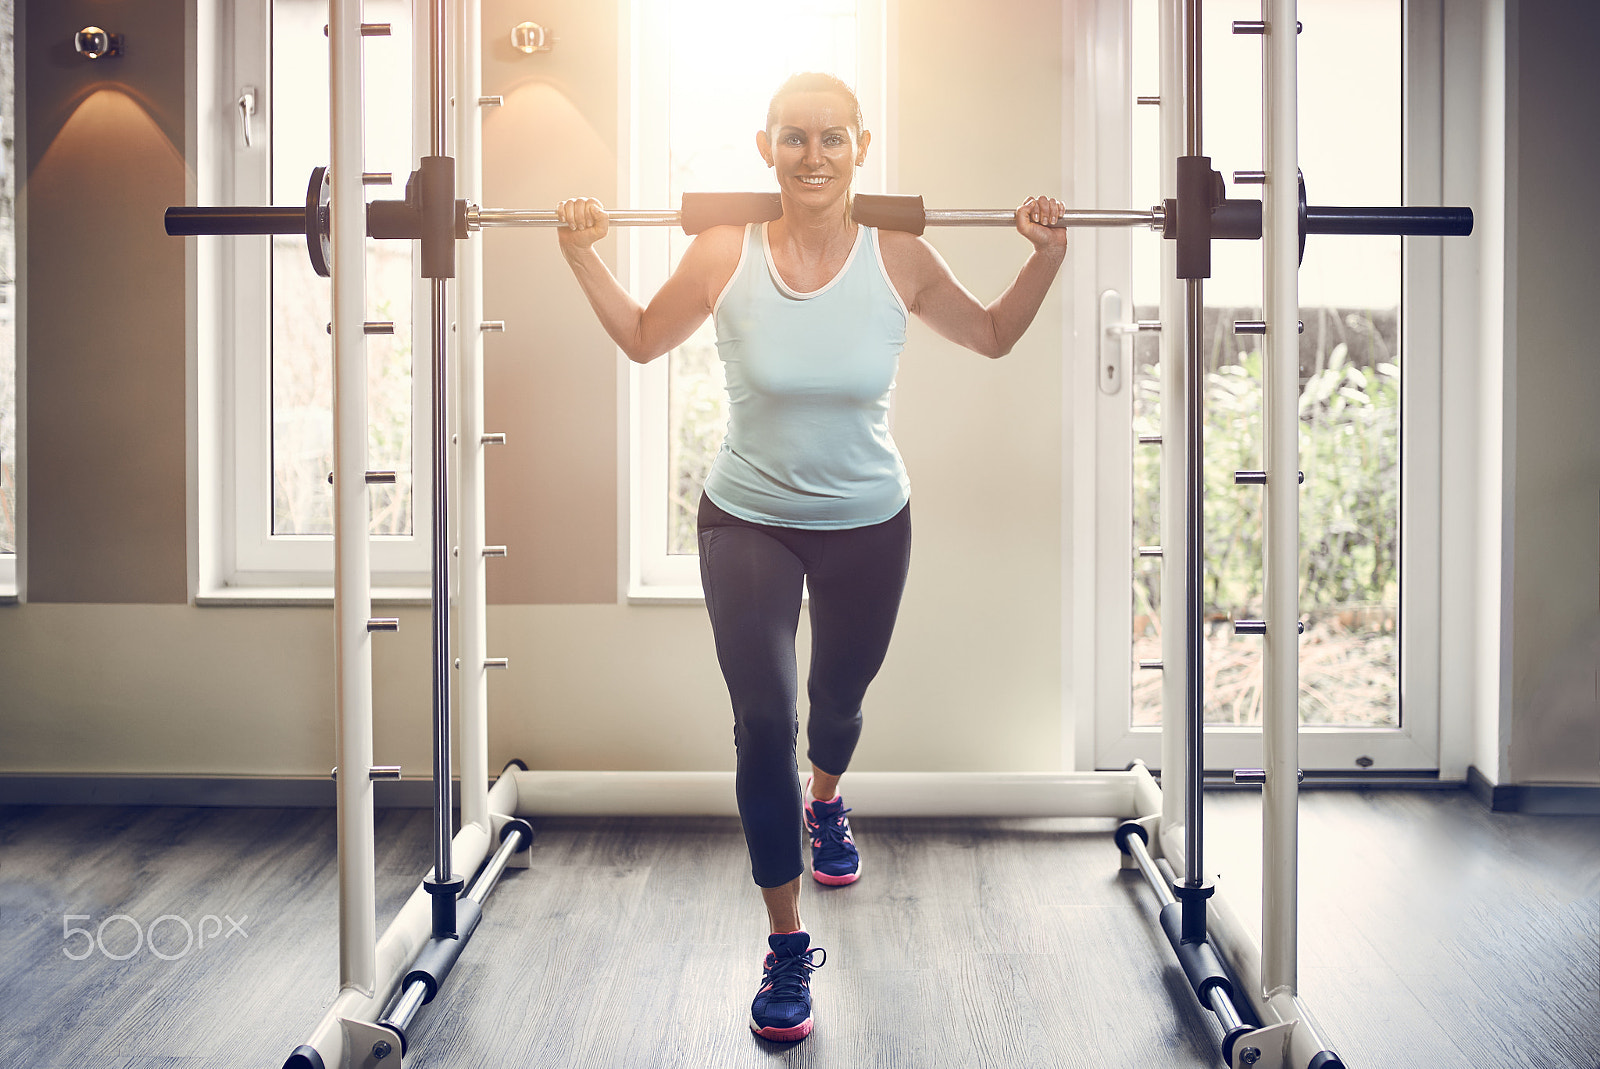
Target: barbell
(1228, 219)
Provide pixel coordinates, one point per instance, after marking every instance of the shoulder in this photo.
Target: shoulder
(909, 257)
(711, 260)
(718, 243)
(912, 265)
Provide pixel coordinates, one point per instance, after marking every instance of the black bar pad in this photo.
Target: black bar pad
(439, 956)
(702, 211)
(305, 1057)
(182, 222)
(1440, 222)
(890, 211)
(1199, 961)
(1237, 219)
(437, 198)
(1325, 1059)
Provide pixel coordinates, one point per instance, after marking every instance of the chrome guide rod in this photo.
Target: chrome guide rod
(352, 584)
(1174, 447)
(1194, 492)
(439, 349)
(1281, 537)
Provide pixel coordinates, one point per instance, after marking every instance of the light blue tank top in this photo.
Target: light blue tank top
(809, 381)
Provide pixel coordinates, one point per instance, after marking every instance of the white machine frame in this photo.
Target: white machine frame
(372, 968)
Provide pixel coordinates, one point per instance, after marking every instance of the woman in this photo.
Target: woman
(810, 313)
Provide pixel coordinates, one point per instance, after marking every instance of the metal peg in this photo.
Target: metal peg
(383, 623)
(371, 326)
(1256, 26)
(368, 29)
(1148, 100)
(374, 477)
(1149, 551)
(491, 102)
(1150, 666)
(375, 772)
(493, 326)
(493, 439)
(1142, 326)
(1249, 178)
(1259, 775)
(494, 551)
(1257, 326)
(1257, 478)
(1149, 439)
(496, 662)
(1259, 627)
(377, 178)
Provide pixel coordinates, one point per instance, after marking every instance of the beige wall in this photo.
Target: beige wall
(1554, 448)
(974, 678)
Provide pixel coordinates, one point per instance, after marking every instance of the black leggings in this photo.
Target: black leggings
(752, 574)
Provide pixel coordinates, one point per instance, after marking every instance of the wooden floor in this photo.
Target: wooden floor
(1434, 935)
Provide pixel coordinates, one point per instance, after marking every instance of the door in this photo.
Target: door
(1369, 371)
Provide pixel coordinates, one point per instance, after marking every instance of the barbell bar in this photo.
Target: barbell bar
(1229, 219)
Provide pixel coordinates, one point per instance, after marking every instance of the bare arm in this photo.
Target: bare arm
(681, 305)
(932, 292)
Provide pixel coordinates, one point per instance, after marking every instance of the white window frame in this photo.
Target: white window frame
(1102, 461)
(239, 556)
(648, 572)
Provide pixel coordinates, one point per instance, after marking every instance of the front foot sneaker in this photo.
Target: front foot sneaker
(834, 859)
(782, 1007)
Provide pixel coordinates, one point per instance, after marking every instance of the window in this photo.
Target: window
(8, 301)
(271, 518)
(698, 94)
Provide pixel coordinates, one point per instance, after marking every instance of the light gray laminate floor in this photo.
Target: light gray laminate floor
(1434, 935)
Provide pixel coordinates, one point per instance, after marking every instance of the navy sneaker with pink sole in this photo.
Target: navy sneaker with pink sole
(782, 1007)
(834, 858)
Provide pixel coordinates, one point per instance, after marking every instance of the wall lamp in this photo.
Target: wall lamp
(92, 42)
(530, 37)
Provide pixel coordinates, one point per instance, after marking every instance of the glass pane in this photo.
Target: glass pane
(1350, 374)
(717, 95)
(302, 359)
(8, 286)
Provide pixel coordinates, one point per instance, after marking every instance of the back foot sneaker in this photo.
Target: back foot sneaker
(834, 859)
(782, 1007)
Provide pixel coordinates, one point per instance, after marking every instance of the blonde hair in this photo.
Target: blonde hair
(813, 82)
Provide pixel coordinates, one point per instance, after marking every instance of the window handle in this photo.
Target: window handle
(247, 113)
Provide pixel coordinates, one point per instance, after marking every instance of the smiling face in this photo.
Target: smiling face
(814, 146)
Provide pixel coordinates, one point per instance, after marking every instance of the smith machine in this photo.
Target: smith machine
(385, 982)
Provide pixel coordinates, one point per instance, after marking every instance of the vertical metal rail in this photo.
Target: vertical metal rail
(1174, 374)
(1194, 489)
(352, 579)
(1281, 388)
(439, 334)
(472, 613)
